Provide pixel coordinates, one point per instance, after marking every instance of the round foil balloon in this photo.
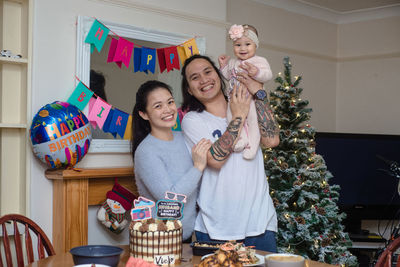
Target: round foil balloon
(60, 134)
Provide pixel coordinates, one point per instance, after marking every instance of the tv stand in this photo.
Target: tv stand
(365, 246)
(366, 237)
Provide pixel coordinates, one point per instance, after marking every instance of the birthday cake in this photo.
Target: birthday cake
(153, 237)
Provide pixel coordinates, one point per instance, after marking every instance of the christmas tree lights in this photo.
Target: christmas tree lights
(309, 221)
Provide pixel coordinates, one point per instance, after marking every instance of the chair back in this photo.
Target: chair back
(11, 236)
(385, 259)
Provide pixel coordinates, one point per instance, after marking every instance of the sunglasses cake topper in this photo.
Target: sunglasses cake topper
(170, 208)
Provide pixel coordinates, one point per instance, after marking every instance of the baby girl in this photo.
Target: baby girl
(245, 43)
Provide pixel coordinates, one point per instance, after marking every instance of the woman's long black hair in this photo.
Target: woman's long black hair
(190, 103)
(141, 127)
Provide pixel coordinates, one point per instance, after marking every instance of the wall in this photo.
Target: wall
(368, 76)
(54, 51)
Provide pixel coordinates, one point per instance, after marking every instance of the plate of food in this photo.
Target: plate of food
(229, 254)
(201, 248)
(258, 262)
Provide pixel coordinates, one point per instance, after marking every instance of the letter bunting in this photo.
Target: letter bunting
(144, 58)
(103, 115)
(97, 35)
(81, 96)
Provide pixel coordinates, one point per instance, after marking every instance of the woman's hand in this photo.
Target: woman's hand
(239, 102)
(252, 85)
(199, 154)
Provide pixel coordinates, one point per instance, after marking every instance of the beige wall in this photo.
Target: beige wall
(368, 90)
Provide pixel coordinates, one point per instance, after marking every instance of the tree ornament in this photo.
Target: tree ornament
(325, 242)
(300, 220)
(284, 165)
(321, 211)
(297, 182)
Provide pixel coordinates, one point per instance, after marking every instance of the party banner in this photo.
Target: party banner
(128, 130)
(137, 55)
(181, 54)
(81, 96)
(118, 122)
(144, 59)
(101, 113)
(171, 58)
(123, 52)
(177, 126)
(191, 48)
(107, 123)
(111, 52)
(97, 35)
(98, 113)
(148, 59)
(161, 59)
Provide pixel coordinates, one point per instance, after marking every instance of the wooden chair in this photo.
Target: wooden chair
(385, 259)
(13, 221)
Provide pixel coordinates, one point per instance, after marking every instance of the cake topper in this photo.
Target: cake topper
(142, 209)
(175, 196)
(170, 208)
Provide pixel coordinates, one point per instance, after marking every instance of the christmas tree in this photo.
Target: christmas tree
(309, 220)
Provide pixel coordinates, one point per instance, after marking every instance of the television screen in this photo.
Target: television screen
(357, 162)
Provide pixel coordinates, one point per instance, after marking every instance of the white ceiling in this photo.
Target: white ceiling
(343, 6)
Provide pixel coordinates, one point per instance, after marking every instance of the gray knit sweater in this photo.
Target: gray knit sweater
(162, 166)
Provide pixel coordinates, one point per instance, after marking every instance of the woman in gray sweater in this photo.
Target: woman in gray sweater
(162, 161)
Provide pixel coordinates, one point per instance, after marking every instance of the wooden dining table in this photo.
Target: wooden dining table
(188, 259)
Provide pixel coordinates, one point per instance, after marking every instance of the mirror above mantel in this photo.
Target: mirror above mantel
(124, 81)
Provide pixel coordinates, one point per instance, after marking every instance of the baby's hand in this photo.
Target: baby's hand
(223, 61)
(251, 69)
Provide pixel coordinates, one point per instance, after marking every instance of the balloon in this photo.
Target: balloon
(60, 135)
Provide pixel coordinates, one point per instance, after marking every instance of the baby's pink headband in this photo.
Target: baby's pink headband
(237, 32)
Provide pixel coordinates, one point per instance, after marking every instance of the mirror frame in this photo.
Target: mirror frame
(128, 31)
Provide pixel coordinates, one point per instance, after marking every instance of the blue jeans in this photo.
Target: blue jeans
(265, 241)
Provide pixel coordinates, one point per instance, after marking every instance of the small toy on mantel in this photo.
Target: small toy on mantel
(113, 212)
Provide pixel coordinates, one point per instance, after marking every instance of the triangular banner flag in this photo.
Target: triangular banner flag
(111, 52)
(191, 48)
(119, 122)
(161, 59)
(148, 61)
(107, 123)
(171, 58)
(177, 126)
(128, 130)
(97, 35)
(80, 97)
(137, 55)
(98, 114)
(182, 54)
(123, 52)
